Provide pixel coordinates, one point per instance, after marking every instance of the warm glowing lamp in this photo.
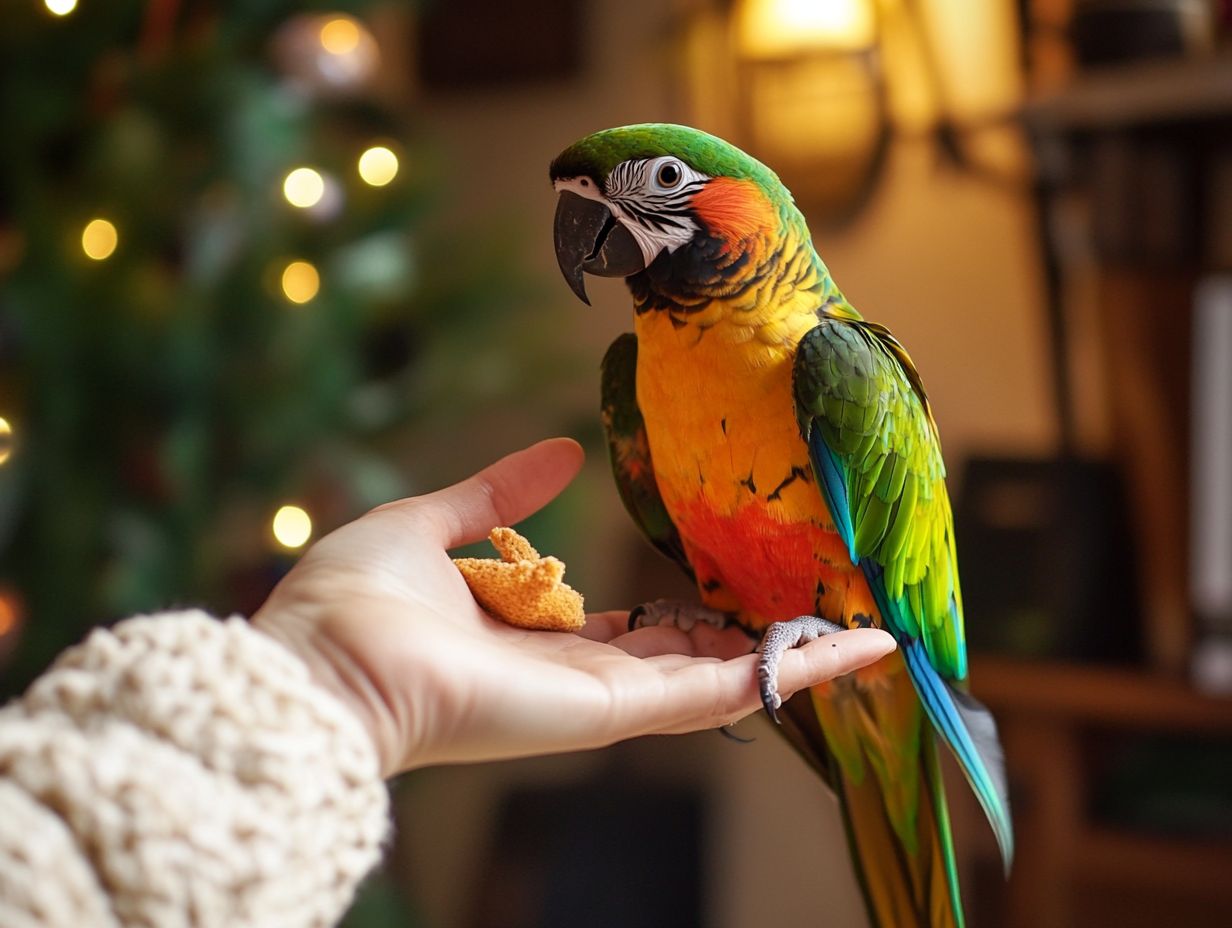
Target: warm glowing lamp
(99, 239)
(6, 440)
(775, 28)
(300, 281)
(60, 7)
(292, 527)
(378, 166)
(818, 88)
(808, 96)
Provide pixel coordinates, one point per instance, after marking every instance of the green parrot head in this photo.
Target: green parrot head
(681, 208)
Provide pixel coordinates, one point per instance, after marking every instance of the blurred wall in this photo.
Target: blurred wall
(946, 261)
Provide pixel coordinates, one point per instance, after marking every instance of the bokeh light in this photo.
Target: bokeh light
(10, 611)
(6, 440)
(300, 281)
(378, 166)
(303, 187)
(60, 7)
(340, 36)
(292, 527)
(99, 239)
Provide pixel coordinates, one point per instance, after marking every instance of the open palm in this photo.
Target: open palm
(383, 618)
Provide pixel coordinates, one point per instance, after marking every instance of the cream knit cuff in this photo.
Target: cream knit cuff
(179, 770)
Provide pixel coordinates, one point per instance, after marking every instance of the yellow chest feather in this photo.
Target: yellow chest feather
(719, 415)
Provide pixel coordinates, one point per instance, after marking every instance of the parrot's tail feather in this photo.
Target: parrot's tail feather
(903, 888)
(882, 759)
(968, 728)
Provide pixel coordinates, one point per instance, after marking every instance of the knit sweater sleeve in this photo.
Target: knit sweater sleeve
(177, 770)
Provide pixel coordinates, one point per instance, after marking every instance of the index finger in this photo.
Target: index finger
(708, 694)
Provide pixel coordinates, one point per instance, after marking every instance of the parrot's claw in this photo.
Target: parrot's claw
(779, 638)
(677, 614)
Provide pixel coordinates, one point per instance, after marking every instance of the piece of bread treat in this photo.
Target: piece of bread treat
(523, 588)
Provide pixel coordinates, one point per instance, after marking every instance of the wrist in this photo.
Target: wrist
(336, 670)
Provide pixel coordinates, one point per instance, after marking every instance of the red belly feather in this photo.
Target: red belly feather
(776, 570)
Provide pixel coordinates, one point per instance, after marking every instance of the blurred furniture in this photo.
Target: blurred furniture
(1071, 869)
(1135, 174)
(1134, 196)
(607, 852)
(1045, 549)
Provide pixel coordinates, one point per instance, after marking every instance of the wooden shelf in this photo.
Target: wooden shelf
(1106, 696)
(1144, 93)
(1046, 711)
(1170, 865)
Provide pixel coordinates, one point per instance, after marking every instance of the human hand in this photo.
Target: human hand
(384, 620)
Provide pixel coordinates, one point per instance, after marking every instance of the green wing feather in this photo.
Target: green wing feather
(856, 386)
(630, 452)
(877, 457)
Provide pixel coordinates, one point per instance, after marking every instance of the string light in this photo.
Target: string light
(60, 7)
(6, 440)
(303, 187)
(99, 239)
(300, 281)
(378, 166)
(340, 36)
(10, 612)
(292, 527)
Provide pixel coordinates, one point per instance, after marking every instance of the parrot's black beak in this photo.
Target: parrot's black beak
(588, 238)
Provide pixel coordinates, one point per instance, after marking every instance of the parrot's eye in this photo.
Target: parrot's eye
(669, 175)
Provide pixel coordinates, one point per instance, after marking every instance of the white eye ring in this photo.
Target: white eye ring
(669, 175)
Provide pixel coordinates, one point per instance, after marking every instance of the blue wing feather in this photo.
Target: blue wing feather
(833, 483)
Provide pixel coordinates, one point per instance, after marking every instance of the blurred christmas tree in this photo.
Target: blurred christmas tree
(212, 303)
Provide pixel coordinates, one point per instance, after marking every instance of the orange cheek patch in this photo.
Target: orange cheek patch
(735, 210)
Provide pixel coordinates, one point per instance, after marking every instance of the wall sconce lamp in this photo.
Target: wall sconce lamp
(819, 88)
(812, 96)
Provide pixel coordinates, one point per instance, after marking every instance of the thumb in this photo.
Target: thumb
(503, 493)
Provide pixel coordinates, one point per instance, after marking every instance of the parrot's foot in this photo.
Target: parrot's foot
(779, 638)
(677, 614)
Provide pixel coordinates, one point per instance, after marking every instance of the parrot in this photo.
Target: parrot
(782, 450)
